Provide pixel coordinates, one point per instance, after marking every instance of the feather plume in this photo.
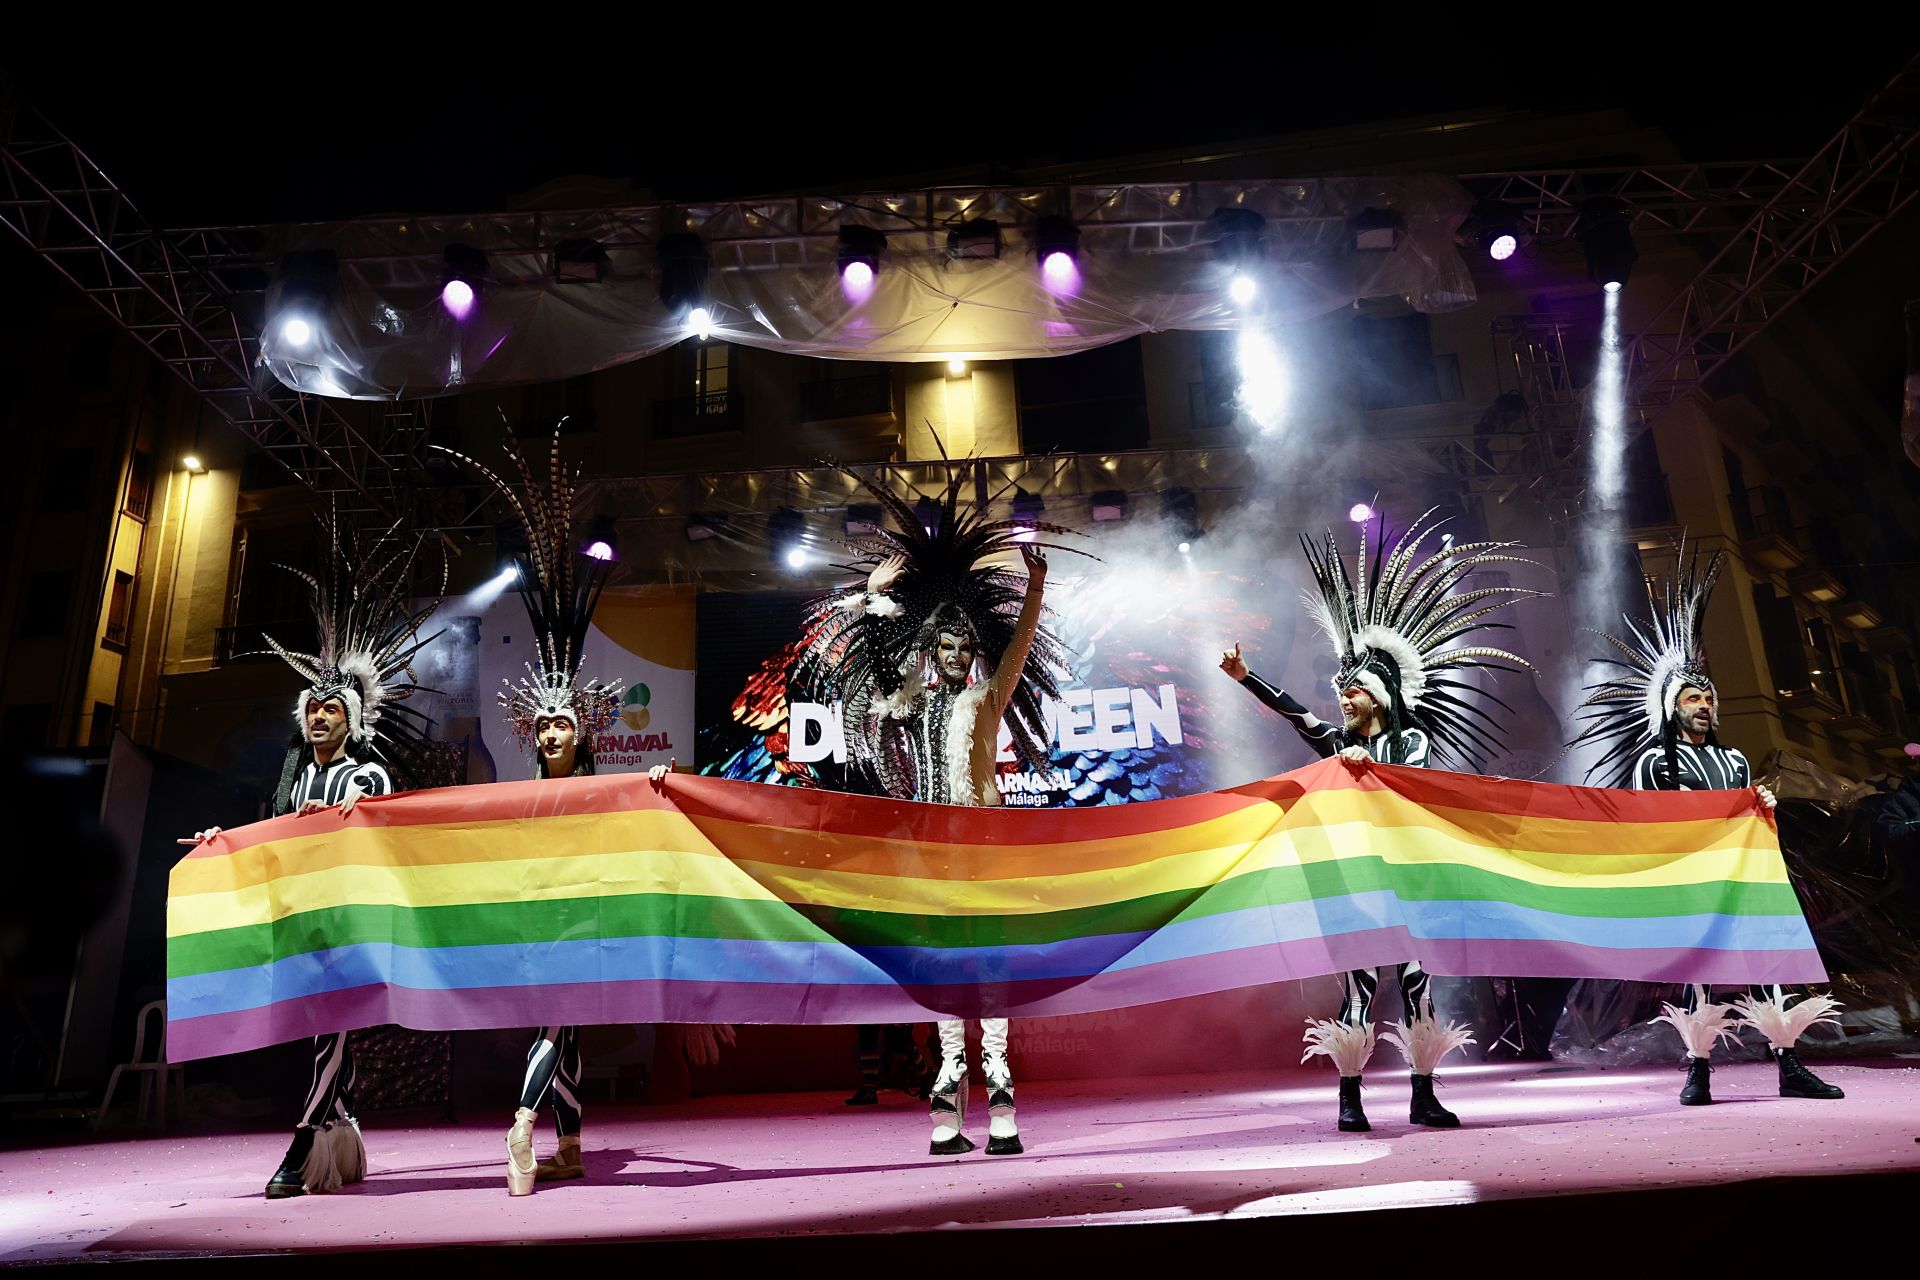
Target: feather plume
(338, 1156)
(1703, 1028)
(1425, 1041)
(561, 588)
(1629, 709)
(1782, 1024)
(871, 653)
(1394, 623)
(1346, 1046)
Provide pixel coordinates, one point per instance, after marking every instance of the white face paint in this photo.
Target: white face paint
(954, 656)
(556, 739)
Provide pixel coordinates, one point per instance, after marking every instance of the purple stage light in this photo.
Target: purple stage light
(856, 281)
(457, 297)
(1058, 266)
(599, 551)
(1360, 513)
(1502, 248)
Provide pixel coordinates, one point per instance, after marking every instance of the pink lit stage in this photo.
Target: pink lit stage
(1166, 1163)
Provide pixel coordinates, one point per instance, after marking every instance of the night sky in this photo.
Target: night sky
(312, 128)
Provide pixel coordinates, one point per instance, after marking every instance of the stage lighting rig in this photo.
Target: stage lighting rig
(463, 270)
(1604, 231)
(683, 263)
(1056, 243)
(859, 254)
(309, 279)
(979, 238)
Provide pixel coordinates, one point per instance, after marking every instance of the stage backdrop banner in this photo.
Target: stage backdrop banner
(640, 636)
(607, 900)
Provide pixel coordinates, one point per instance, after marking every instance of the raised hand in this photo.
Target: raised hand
(1231, 663)
(1036, 562)
(885, 574)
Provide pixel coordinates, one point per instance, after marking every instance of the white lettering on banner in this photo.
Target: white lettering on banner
(1113, 720)
(1162, 717)
(1082, 720)
(805, 746)
(629, 748)
(1073, 718)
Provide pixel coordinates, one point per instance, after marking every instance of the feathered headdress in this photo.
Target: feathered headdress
(560, 587)
(1392, 625)
(869, 650)
(1659, 656)
(368, 635)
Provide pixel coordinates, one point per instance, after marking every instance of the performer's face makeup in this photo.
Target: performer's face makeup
(1695, 709)
(326, 722)
(555, 737)
(954, 656)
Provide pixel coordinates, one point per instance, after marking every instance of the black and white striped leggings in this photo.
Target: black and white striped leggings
(553, 1067)
(330, 1095)
(1699, 995)
(1357, 989)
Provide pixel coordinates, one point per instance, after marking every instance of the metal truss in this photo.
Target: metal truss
(196, 298)
(1856, 184)
(200, 323)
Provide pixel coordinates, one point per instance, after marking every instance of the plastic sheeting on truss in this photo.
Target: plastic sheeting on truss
(1145, 264)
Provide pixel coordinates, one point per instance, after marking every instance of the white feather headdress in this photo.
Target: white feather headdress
(561, 588)
(1394, 629)
(1659, 656)
(368, 634)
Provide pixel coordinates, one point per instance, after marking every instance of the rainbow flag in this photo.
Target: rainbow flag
(605, 900)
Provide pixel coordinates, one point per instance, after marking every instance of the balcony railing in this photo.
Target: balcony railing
(1764, 522)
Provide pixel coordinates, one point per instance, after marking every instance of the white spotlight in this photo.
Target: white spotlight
(1266, 387)
(956, 367)
(1186, 548)
(493, 588)
(296, 332)
(1611, 286)
(1360, 513)
(796, 558)
(1241, 289)
(700, 322)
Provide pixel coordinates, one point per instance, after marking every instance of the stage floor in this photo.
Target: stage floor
(1167, 1150)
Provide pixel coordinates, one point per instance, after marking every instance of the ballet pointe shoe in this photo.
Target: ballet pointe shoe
(520, 1165)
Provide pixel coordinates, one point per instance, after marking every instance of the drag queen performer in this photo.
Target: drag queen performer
(350, 712)
(1401, 702)
(1658, 720)
(930, 660)
(556, 717)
